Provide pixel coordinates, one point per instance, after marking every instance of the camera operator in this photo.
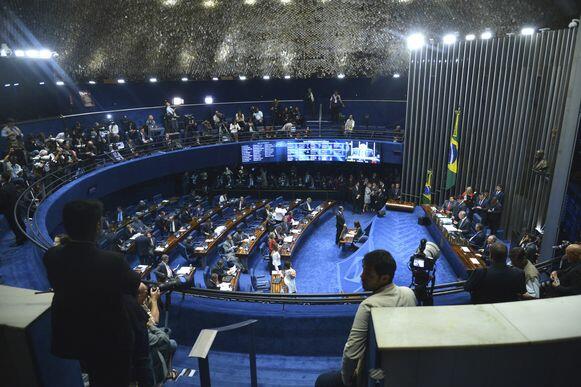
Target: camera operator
(423, 267)
(567, 282)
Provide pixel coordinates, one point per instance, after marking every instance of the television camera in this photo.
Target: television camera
(422, 264)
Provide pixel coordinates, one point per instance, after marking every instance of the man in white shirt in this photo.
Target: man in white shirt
(258, 117)
(378, 271)
(163, 272)
(113, 132)
(349, 125)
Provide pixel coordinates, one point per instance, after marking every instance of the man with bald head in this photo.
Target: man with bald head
(567, 282)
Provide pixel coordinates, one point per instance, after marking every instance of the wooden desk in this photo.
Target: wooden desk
(298, 231)
(277, 287)
(467, 257)
(348, 237)
(233, 283)
(246, 249)
(398, 205)
(230, 224)
(143, 270)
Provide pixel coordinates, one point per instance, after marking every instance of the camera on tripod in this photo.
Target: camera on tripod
(422, 264)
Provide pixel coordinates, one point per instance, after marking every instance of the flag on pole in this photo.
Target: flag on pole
(427, 194)
(453, 157)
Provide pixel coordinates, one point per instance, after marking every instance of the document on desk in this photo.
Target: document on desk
(450, 228)
(225, 286)
(159, 248)
(140, 268)
(136, 236)
(184, 270)
(440, 215)
(465, 249)
(446, 220)
(295, 222)
(199, 248)
(288, 239)
(295, 231)
(474, 261)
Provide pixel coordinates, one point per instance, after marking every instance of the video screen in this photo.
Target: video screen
(312, 150)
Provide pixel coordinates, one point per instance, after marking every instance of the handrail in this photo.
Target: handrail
(205, 341)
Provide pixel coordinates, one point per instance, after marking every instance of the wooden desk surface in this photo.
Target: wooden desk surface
(277, 287)
(348, 236)
(230, 224)
(233, 283)
(287, 248)
(468, 255)
(399, 205)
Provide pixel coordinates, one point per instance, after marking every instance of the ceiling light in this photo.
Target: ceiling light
(177, 101)
(208, 100)
(396, 75)
(19, 53)
(121, 81)
(470, 37)
(109, 116)
(449, 39)
(341, 76)
(32, 53)
(92, 82)
(285, 1)
(170, 3)
(214, 78)
(527, 31)
(60, 83)
(45, 54)
(266, 77)
(249, 2)
(209, 3)
(486, 35)
(184, 79)
(287, 77)
(41, 83)
(416, 41)
(7, 85)
(573, 23)
(16, 84)
(242, 77)
(152, 80)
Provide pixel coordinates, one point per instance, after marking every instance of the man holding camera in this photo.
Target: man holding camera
(567, 282)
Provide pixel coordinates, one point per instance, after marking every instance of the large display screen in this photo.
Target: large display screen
(312, 150)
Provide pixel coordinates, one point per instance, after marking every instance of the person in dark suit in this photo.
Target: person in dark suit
(498, 282)
(499, 194)
(163, 272)
(493, 215)
(480, 206)
(9, 193)
(144, 245)
(161, 222)
(339, 224)
(213, 282)
(450, 206)
(567, 282)
(463, 224)
(141, 206)
(207, 229)
(185, 215)
(307, 206)
(477, 240)
(198, 212)
(90, 319)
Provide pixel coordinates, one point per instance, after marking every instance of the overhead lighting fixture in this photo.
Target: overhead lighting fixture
(449, 39)
(19, 53)
(177, 101)
(109, 116)
(7, 85)
(60, 83)
(41, 83)
(486, 35)
(45, 54)
(184, 79)
(242, 77)
(266, 77)
(121, 81)
(92, 82)
(209, 3)
(396, 75)
(249, 2)
(152, 80)
(470, 37)
(285, 1)
(416, 41)
(527, 31)
(32, 53)
(170, 3)
(341, 76)
(214, 78)
(208, 100)
(16, 84)
(287, 77)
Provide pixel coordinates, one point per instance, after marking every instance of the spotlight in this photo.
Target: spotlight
(242, 77)
(208, 100)
(32, 53)
(449, 39)
(92, 82)
(470, 37)
(396, 75)
(109, 116)
(41, 83)
(121, 81)
(169, 3)
(486, 35)
(266, 77)
(45, 54)
(152, 80)
(16, 84)
(285, 1)
(249, 2)
(574, 23)
(209, 3)
(527, 31)
(416, 41)
(184, 79)
(60, 83)
(341, 76)
(287, 77)
(19, 53)
(177, 101)
(214, 78)
(7, 85)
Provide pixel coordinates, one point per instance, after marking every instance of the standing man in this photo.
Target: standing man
(493, 215)
(310, 102)
(8, 197)
(335, 106)
(88, 308)
(339, 224)
(378, 271)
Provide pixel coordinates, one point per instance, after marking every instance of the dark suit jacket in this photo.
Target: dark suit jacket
(143, 245)
(464, 226)
(477, 240)
(499, 196)
(496, 283)
(89, 316)
(339, 220)
(161, 272)
(570, 279)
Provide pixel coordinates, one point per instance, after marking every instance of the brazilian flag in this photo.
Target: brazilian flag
(427, 194)
(453, 157)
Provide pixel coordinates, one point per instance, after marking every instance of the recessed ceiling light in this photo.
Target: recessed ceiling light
(527, 31)
(214, 78)
(341, 76)
(416, 41)
(449, 39)
(184, 79)
(470, 37)
(486, 35)
(287, 77)
(152, 80)
(121, 81)
(92, 82)
(396, 75)
(266, 77)
(60, 83)
(242, 77)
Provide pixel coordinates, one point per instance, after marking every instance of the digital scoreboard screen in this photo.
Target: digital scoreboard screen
(311, 150)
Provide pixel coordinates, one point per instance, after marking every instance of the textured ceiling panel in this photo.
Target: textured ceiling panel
(169, 39)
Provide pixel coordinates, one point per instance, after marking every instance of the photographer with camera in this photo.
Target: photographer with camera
(567, 282)
(423, 267)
